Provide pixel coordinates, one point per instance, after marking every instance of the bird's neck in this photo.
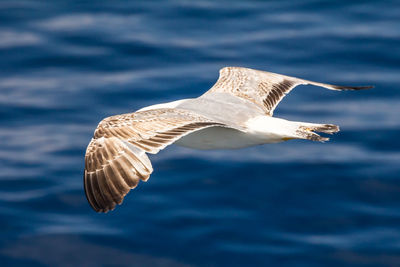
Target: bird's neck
(172, 104)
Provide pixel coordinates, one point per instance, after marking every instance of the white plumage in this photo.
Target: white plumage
(236, 112)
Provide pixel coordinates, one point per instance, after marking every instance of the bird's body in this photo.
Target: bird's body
(252, 126)
(235, 113)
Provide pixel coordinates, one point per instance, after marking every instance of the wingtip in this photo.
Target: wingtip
(355, 88)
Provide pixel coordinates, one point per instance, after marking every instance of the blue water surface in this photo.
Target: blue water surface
(65, 65)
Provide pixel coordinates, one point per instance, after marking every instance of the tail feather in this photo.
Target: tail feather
(307, 131)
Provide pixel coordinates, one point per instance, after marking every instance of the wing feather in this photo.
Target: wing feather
(265, 89)
(115, 159)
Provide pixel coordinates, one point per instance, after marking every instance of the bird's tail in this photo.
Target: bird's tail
(307, 131)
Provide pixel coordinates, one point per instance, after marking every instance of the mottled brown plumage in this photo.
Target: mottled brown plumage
(265, 89)
(237, 110)
(115, 159)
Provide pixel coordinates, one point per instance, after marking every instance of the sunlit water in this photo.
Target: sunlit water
(66, 66)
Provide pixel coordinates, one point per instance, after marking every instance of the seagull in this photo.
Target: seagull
(236, 112)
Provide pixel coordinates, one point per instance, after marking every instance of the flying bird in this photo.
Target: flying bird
(236, 112)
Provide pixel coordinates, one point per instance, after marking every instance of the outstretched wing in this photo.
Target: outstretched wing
(264, 89)
(115, 159)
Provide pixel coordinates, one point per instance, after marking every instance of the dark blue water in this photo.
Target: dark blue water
(64, 66)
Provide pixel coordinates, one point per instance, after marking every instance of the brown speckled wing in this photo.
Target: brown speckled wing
(115, 159)
(264, 89)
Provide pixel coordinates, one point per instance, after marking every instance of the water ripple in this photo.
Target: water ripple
(66, 67)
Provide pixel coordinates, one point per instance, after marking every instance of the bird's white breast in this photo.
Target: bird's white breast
(259, 130)
(218, 138)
